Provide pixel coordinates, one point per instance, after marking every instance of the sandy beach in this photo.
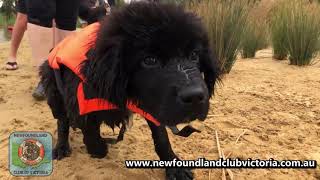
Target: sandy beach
(276, 104)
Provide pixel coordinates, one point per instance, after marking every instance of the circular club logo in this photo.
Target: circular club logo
(31, 152)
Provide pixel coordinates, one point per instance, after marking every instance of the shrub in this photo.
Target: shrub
(225, 22)
(298, 32)
(7, 12)
(5, 21)
(303, 32)
(278, 30)
(254, 38)
(7, 8)
(256, 35)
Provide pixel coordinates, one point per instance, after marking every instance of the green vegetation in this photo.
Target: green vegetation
(295, 30)
(119, 3)
(7, 13)
(256, 34)
(255, 37)
(225, 22)
(4, 21)
(303, 33)
(8, 8)
(278, 30)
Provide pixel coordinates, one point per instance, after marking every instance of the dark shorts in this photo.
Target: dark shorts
(21, 7)
(42, 12)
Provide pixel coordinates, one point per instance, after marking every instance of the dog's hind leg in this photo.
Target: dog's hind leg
(165, 152)
(96, 146)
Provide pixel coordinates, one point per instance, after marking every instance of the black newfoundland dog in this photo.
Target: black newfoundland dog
(155, 56)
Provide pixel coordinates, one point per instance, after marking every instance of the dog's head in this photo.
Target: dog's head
(158, 56)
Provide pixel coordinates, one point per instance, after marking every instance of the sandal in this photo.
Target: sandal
(11, 66)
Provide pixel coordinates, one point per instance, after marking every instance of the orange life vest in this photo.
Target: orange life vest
(71, 52)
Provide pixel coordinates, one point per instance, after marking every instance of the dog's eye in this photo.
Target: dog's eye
(194, 57)
(150, 62)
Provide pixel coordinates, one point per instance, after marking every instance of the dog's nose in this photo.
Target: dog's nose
(192, 95)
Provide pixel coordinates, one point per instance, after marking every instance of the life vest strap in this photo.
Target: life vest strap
(98, 104)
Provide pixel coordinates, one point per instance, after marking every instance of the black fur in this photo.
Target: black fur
(152, 54)
(90, 13)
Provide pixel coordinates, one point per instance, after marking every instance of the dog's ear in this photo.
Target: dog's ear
(105, 72)
(210, 68)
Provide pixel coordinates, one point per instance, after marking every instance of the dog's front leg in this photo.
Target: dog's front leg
(163, 148)
(96, 146)
(62, 148)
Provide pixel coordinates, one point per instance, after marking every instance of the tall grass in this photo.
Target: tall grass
(300, 30)
(254, 38)
(303, 33)
(278, 30)
(225, 22)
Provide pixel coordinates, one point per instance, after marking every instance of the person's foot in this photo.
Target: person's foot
(11, 65)
(38, 94)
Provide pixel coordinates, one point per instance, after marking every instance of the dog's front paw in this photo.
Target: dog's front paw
(99, 149)
(61, 151)
(179, 174)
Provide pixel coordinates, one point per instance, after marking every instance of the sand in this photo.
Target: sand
(278, 106)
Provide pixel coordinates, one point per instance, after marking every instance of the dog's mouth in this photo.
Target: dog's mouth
(172, 118)
(186, 129)
(195, 116)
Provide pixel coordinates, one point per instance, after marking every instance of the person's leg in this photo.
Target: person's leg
(40, 15)
(17, 34)
(65, 19)
(41, 41)
(60, 34)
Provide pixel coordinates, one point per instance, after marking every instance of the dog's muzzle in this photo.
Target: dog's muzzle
(193, 93)
(185, 130)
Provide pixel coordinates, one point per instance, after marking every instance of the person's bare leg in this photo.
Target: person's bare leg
(19, 28)
(41, 41)
(60, 34)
